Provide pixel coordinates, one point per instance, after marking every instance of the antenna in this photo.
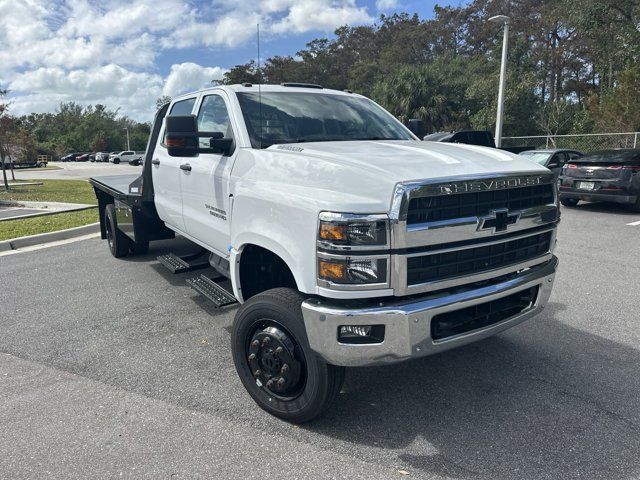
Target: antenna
(259, 89)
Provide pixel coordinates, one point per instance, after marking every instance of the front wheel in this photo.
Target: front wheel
(275, 362)
(569, 202)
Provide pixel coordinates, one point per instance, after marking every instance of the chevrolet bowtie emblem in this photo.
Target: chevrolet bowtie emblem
(498, 220)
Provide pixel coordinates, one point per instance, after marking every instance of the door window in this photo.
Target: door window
(213, 117)
(183, 107)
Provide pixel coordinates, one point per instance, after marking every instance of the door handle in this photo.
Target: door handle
(186, 167)
(155, 161)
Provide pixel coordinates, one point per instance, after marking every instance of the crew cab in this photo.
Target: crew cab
(347, 240)
(125, 156)
(603, 176)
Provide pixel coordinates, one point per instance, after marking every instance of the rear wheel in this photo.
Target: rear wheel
(116, 161)
(569, 202)
(275, 362)
(118, 242)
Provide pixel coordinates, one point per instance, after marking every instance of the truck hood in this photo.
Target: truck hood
(364, 173)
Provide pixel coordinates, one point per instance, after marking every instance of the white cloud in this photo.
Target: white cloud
(107, 51)
(186, 77)
(384, 5)
(305, 15)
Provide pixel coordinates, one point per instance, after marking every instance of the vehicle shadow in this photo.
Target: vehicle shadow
(543, 401)
(604, 207)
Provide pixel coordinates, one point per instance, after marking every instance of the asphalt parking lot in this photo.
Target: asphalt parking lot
(115, 368)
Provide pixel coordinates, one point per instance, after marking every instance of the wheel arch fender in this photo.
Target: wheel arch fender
(258, 240)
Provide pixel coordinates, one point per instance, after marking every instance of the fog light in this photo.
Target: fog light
(361, 333)
(355, 330)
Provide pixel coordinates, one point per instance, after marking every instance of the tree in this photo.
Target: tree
(162, 101)
(4, 130)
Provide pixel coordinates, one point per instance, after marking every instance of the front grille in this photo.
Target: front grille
(476, 204)
(448, 324)
(469, 261)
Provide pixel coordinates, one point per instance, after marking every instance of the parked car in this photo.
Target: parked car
(83, 157)
(126, 156)
(70, 157)
(92, 157)
(137, 160)
(554, 159)
(605, 176)
(482, 138)
(102, 156)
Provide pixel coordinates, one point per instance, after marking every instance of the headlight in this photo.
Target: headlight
(353, 232)
(353, 270)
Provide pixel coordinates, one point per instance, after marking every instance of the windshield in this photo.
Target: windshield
(292, 117)
(538, 157)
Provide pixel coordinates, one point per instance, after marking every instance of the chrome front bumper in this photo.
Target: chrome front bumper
(408, 322)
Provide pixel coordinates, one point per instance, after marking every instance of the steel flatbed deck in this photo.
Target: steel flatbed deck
(120, 187)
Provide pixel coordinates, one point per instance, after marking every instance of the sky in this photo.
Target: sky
(127, 53)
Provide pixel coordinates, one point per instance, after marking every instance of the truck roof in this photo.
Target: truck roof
(253, 88)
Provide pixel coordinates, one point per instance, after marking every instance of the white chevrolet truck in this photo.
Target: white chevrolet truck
(346, 239)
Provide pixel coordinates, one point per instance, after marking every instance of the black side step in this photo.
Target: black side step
(210, 289)
(176, 264)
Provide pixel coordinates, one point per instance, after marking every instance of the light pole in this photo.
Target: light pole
(127, 129)
(503, 68)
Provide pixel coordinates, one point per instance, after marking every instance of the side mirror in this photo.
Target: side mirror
(553, 165)
(417, 127)
(182, 138)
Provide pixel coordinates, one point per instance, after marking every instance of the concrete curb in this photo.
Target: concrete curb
(15, 243)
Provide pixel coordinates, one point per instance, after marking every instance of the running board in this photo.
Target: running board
(176, 264)
(210, 289)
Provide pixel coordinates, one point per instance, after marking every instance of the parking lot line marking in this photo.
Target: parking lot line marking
(633, 224)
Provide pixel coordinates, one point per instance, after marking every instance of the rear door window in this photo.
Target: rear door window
(183, 107)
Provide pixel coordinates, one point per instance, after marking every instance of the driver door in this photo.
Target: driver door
(205, 185)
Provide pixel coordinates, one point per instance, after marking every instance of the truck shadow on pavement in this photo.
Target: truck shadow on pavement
(546, 401)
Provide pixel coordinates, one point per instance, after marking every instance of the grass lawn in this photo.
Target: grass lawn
(47, 223)
(72, 191)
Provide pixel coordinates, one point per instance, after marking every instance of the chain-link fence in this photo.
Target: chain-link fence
(585, 143)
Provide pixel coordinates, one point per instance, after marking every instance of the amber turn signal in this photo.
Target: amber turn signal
(331, 271)
(332, 231)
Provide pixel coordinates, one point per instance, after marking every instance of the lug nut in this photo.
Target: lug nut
(255, 343)
(279, 350)
(252, 357)
(281, 382)
(257, 373)
(285, 368)
(266, 341)
(270, 383)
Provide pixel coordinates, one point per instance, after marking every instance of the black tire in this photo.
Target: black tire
(569, 202)
(311, 384)
(636, 206)
(118, 242)
(116, 161)
(139, 248)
